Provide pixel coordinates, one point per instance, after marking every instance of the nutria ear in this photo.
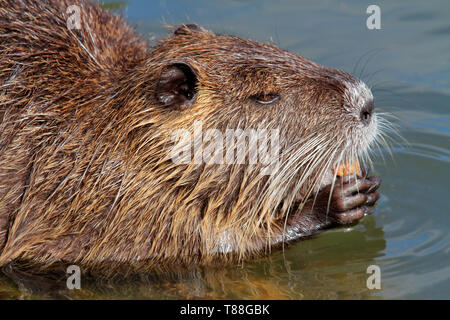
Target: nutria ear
(187, 29)
(177, 86)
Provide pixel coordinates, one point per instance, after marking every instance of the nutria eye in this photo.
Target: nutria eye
(265, 98)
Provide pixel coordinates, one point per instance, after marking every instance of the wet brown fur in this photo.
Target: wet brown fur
(85, 172)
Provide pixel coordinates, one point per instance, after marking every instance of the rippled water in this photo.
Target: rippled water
(407, 64)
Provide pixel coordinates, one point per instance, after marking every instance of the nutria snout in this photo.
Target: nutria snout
(200, 148)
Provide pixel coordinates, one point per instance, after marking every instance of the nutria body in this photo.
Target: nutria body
(86, 125)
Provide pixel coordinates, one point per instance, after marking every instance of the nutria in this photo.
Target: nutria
(87, 118)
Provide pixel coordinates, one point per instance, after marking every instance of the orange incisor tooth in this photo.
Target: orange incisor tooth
(346, 168)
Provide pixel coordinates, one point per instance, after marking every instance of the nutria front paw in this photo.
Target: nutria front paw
(351, 198)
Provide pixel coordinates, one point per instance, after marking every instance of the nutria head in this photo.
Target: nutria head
(203, 83)
(138, 165)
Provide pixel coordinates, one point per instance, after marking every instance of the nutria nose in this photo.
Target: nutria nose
(366, 113)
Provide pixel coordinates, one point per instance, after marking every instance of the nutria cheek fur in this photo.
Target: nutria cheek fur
(86, 124)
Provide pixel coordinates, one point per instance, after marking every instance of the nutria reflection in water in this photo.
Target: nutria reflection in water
(86, 136)
(308, 272)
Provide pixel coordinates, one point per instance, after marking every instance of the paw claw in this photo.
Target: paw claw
(372, 198)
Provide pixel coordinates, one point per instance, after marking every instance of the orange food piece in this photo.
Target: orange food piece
(346, 168)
